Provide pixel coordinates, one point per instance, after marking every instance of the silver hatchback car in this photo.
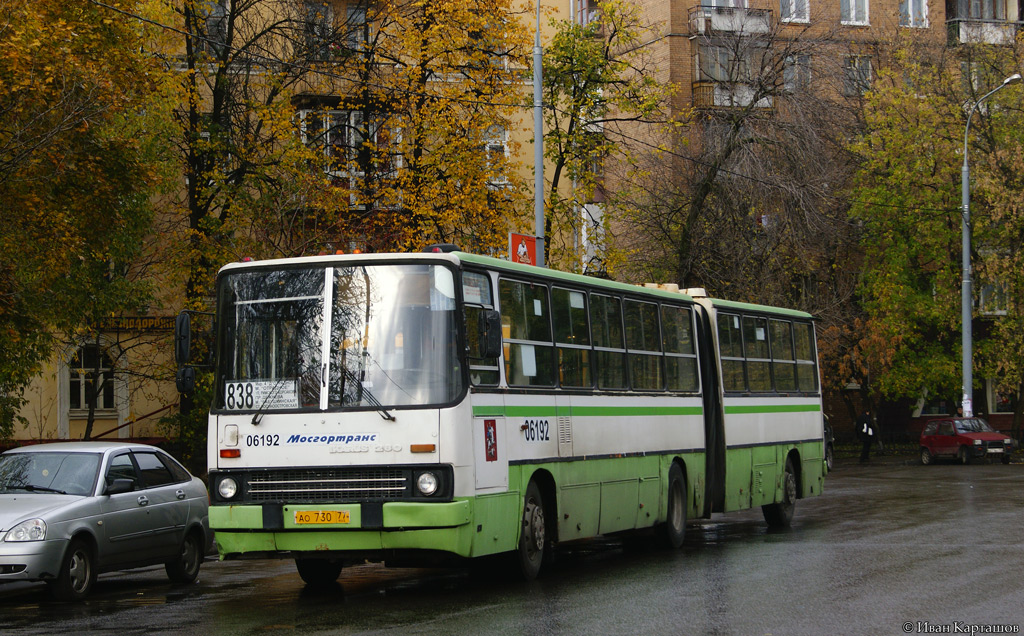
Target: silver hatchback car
(71, 510)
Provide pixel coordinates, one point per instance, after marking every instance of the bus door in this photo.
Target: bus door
(714, 430)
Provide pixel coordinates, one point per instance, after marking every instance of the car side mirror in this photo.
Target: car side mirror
(120, 485)
(490, 333)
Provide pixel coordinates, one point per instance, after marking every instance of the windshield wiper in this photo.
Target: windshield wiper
(31, 488)
(365, 393)
(258, 415)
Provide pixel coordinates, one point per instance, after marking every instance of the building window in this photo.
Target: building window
(318, 26)
(796, 73)
(986, 9)
(720, 64)
(214, 16)
(914, 13)
(795, 10)
(355, 25)
(853, 12)
(856, 75)
(495, 146)
(91, 374)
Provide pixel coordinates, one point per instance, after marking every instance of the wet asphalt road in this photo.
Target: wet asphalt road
(890, 548)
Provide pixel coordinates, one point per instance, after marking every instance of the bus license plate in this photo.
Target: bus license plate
(313, 517)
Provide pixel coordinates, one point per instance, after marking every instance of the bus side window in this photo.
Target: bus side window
(643, 339)
(476, 292)
(806, 360)
(572, 337)
(755, 349)
(680, 356)
(730, 349)
(609, 346)
(529, 353)
(783, 365)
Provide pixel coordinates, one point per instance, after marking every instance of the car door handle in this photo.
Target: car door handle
(180, 494)
(143, 500)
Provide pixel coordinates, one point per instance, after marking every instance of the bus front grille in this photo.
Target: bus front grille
(328, 485)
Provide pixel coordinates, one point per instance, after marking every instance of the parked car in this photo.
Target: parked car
(963, 438)
(71, 510)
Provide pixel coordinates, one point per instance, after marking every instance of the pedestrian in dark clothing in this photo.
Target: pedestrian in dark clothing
(866, 434)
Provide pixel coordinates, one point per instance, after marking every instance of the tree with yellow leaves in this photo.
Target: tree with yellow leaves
(75, 179)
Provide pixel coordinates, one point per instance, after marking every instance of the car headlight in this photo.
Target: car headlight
(426, 483)
(227, 488)
(31, 530)
(977, 442)
(1008, 441)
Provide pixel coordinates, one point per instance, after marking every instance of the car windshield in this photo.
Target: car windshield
(61, 473)
(973, 425)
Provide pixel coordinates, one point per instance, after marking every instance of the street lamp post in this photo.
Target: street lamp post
(965, 292)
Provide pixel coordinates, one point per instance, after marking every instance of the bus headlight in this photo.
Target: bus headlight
(227, 488)
(426, 483)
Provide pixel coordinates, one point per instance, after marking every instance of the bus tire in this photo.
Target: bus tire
(673, 531)
(780, 514)
(318, 572)
(533, 540)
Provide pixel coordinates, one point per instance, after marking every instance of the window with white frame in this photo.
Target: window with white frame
(350, 144)
(856, 75)
(795, 10)
(914, 13)
(91, 374)
(853, 11)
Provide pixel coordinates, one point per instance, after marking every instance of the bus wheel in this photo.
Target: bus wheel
(533, 543)
(318, 572)
(779, 515)
(673, 531)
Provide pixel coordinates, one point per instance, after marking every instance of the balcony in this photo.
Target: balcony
(968, 31)
(710, 20)
(708, 94)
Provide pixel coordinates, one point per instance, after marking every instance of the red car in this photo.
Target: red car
(964, 438)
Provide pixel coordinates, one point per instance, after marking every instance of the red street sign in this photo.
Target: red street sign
(522, 249)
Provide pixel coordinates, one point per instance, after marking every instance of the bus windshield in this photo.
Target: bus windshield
(372, 336)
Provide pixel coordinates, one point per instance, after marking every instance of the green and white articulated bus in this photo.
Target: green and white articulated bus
(439, 407)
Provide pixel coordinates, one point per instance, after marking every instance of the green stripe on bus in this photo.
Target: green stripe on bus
(583, 411)
(772, 408)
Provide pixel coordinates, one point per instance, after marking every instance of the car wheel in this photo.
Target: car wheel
(318, 572)
(185, 568)
(1006, 457)
(926, 456)
(964, 455)
(673, 531)
(780, 514)
(77, 573)
(533, 537)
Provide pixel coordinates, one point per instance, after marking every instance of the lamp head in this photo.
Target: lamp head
(1013, 79)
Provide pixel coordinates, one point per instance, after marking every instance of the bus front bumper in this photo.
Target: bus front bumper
(353, 528)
